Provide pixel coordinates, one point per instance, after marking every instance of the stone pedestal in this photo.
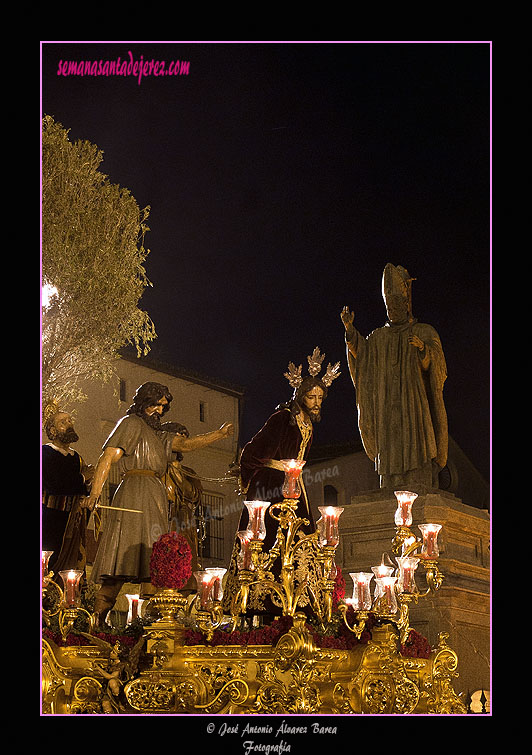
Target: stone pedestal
(461, 607)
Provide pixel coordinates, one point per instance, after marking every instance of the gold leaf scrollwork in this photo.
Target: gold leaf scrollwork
(156, 696)
(87, 696)
(377, 695)
(235, 692)
(406, 696)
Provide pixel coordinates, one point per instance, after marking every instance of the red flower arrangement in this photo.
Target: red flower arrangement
(76, 640)
(416, 646)
(170, 562)
(267, 635)
(339, 588)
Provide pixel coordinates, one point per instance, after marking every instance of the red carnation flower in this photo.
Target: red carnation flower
(170, 562)
(339, 588)
(416, 646)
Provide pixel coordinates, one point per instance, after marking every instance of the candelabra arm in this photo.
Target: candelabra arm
(263, 561)
(402, 533)
(409, 550)
(403, 623)
(433, 576)
(49, 582)
(316, 605)
(207, 620)
(285, 513)
(304, 539)
(67, 617)
(283, 594)
(360, 618)
(240, 600)
(291, 544)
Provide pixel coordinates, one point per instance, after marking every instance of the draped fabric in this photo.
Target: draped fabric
(399, 394)
(127, 538)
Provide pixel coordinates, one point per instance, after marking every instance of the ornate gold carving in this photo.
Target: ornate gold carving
(87, 696)
(293, 677)
(152, 695)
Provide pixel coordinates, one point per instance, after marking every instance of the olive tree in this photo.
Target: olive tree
(93, 263)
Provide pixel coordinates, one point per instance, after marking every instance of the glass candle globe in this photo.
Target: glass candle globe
(387, 593)
(382, 570)
(71, 579)
(361, 600)
(327, 526)
(244, 561)
(430, 540)
(204, 583)
(403, 513)
(135, 603)
(292, 471)
(217, 586)
(257, 525)
(406, 580)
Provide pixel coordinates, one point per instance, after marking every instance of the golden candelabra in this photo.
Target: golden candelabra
(65, 602)
(394, 594)
(289, 540)
(257, 566)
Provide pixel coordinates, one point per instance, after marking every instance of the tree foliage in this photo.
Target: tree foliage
(93, 255)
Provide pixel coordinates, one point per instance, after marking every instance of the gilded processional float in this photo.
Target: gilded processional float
(324, 654)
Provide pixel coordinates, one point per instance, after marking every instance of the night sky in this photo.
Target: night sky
(281, 179)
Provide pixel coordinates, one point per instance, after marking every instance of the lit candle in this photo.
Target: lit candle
(135, 604)
(403, 514)
(430, 540)
(204, 581)
(328, 532)
(217, 587)
(361, 590)
(292, 469)
(256, 511)
(382, 570)
(407, 567)
(387, 592)
(71, 579)
(244, 557)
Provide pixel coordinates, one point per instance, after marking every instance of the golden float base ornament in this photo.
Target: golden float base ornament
(294, 677)
(168, 602)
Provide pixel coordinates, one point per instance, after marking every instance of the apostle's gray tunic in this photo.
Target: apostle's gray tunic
(126, 541)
